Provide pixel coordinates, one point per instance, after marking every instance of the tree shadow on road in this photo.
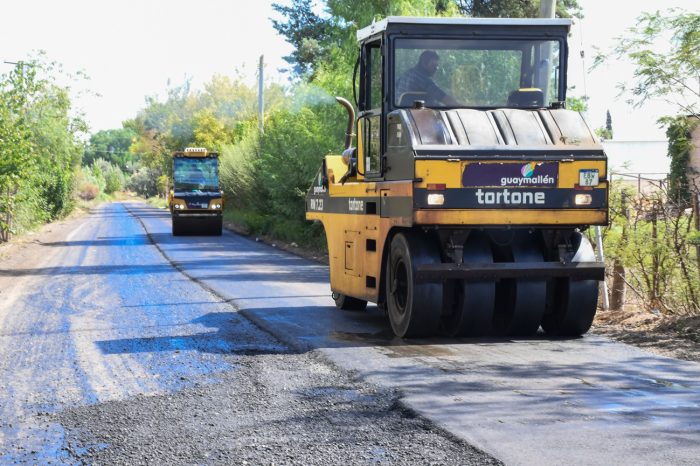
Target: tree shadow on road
(232, 335)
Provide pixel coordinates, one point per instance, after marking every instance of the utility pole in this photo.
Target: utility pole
(261, 100)
(617, 293)
(544, 54)
(547, 8)
(18, 64)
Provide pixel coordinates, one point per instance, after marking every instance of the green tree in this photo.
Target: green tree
(306, 31)
(605, 132)
(112, 145)
(209, 131)
(16, 158)
(229, 99)
(577, 104)
(515, 8)
(680, 143)
(270, 179)
(665, 51)
(57, 148)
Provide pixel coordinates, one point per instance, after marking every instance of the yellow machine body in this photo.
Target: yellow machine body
(465, 220)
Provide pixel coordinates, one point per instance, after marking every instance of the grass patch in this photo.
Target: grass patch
(305, 234)
(157, 201)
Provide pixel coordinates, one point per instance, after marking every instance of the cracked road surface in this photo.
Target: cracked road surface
(110, 353)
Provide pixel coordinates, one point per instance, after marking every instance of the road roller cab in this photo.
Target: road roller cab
(462, 208)
(195, 200)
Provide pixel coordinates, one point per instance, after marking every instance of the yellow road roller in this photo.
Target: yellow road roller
(195, 200)
(461, 206)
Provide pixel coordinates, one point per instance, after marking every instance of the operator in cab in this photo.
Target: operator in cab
(417, 83)
(197, 177)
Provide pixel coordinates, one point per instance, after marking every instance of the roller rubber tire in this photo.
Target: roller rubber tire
(522, 300)
(576, 301)
(473, 302)
(348, 303)
(414, 308)
(178, 227)
(217, 226)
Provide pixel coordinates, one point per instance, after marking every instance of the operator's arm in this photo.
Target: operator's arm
(438, 94)
(450, 101)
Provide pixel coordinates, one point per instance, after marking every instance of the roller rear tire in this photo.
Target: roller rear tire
(521, 302)
(470, 309)
(576, 301)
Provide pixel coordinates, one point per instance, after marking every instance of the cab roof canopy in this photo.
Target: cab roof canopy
(395, 22)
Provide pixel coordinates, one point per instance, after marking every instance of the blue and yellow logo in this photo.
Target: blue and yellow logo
(528, 169)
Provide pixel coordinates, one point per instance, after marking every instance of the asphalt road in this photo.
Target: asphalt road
(110, 355)
(114, 350)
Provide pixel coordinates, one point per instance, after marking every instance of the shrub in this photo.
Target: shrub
(653, 237)
(291, 151)
(144, 182)
(114, 179)
(88, 191)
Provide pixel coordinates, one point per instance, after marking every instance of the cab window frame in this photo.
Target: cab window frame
(371, 105)
(392, 35)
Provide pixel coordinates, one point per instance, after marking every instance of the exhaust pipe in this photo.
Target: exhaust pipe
(351, 121)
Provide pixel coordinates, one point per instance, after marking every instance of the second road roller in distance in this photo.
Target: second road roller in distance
(196, 201)
(463, 208)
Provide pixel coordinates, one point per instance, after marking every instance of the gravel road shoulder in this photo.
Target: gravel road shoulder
(274, 409)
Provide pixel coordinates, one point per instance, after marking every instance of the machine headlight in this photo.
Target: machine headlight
(436, 199)
(583, 199)
(216, 206)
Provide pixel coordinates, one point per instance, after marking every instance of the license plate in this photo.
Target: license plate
(588, 177)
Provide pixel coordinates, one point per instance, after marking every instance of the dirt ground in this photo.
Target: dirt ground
(18, 251)
(675, 337)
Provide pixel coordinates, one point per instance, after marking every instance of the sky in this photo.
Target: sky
(603, 21)
(132, 49)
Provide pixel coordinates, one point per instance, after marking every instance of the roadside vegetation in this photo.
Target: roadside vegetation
(40, 148)
(653, 242)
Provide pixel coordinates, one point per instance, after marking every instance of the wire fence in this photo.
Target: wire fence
(647, 180)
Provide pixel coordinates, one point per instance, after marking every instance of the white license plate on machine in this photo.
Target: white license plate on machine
(588, 177)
